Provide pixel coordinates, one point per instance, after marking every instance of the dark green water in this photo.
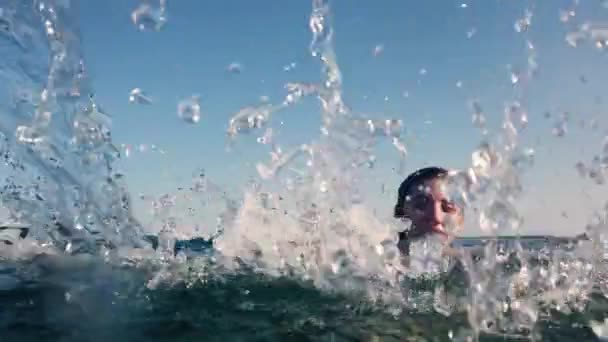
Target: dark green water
(107, 304)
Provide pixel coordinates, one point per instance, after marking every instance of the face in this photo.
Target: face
(428, 207)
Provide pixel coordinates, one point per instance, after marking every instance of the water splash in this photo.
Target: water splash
(306, 217)
(308, 225)
(499, 300)
(312, 223)
(321, 47)
(149, 15)
(59, 137)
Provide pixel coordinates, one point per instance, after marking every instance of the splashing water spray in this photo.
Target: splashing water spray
(315, 225)
(57, 139)
(306, 217)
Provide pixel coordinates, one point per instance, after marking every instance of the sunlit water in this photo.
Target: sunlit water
(300, 256)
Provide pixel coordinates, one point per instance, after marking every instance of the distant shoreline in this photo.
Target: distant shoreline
(524, 237)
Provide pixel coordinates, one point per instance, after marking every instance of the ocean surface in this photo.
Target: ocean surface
(47, 299)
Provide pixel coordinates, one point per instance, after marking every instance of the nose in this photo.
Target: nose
(437, 213)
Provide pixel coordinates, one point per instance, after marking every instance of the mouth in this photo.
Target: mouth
(438, 227)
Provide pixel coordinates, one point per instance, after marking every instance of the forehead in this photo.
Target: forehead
(435, 187)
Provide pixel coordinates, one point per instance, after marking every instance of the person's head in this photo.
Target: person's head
(423, 201)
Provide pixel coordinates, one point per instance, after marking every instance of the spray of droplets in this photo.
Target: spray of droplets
(311, 228)
(62, 179)
(305, 215)
(189, 109)
(150, 15)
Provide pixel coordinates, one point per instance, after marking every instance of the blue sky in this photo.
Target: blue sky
(189, 55)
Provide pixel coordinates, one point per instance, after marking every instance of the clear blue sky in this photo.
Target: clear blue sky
(190, 54)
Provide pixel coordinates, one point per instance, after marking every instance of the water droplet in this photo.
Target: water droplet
(265, 199)
(422, 72)
(471, 32)
(523, 24)
(298, 90)
(250, 118)
(484, 159)
(199, 181)
(50, 30)
(478, 118)
(459, 187)
(317, 19)
(149, 16)
(573, 38)
(289, 67)
(603, 157)
(596, 33)
(581, 169)
(596, 170)
(378, 50)
(459, 84)
(340, 262)
(514, 78)
(28, 135)
(463, 5)
(235, 68)
(400, 146)
(139, 96)
(516, 115)
(371, 161)
(266, 138)
(6, 24)
(594, 124)
(189, 109)
(323, 187)
(499, 215)
(564, 16)
(560, 127)
(523, 158)
(389, 127)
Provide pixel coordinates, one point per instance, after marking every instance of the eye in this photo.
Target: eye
(448, 206)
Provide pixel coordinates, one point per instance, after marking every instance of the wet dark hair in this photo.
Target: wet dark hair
(414, 178)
